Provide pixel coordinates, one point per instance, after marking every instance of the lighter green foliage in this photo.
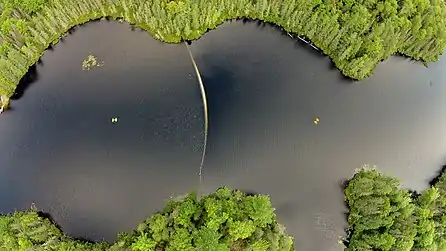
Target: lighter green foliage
(184, 212)
(143, 243)
(157, 223)
(241, 229)
(380, 241)
(215, 212)
(158, 227)
(260, 245)
(371, 205)
(428, 198)
(223, 193)
(208, 239)
(259, 209)
(370, 182)
(181, 241)
(28, 5)
(24, 231)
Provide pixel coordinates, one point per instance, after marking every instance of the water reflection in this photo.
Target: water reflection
(31, 77)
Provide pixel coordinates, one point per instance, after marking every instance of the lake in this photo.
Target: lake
(60, 150)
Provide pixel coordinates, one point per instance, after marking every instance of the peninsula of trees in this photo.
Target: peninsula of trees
(385, 217)
(356, 35)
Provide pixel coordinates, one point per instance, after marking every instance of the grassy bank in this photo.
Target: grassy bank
(224, 220)
(356, 35)
(383, 216)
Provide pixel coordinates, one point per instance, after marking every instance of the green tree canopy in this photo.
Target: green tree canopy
(384, 216)
(356, 35)
(225, 220)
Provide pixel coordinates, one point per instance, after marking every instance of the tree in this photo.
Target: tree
(381, 213)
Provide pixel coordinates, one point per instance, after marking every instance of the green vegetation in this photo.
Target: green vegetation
(225, 220)
(4, 102)
(91, 62)
(385, 217)
(355, 34)
(23, 231)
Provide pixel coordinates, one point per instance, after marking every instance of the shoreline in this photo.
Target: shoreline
(305, 41)
(4, 103)
(171, 23)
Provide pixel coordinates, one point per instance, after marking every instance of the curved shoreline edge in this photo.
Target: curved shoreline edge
(382, 215)
(223, 220)
(354, 45)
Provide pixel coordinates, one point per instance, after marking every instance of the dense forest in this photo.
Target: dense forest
(356, 35)
(222, 221)
(385, 217)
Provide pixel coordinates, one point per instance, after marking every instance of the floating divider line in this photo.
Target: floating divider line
(305, 41)
(206, 119)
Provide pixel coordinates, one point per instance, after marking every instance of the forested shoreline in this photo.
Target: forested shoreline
(222, 221)
(356, 35)
(384, 216)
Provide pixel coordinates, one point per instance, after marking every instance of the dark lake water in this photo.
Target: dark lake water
(60, 149)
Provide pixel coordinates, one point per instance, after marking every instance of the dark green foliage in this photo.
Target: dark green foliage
(437, 205)
(223, 221)
(426, 205)
(381, 214)
(384, 217)
(356, 35)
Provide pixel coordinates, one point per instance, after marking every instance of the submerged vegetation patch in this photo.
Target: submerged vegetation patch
(356, 35)
(225, 220)
(385, 217)
(91, 62)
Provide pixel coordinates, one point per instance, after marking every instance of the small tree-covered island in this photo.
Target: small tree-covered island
(356, 35)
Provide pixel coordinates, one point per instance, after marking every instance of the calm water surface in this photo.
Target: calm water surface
(264, 93)
(59, 148)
